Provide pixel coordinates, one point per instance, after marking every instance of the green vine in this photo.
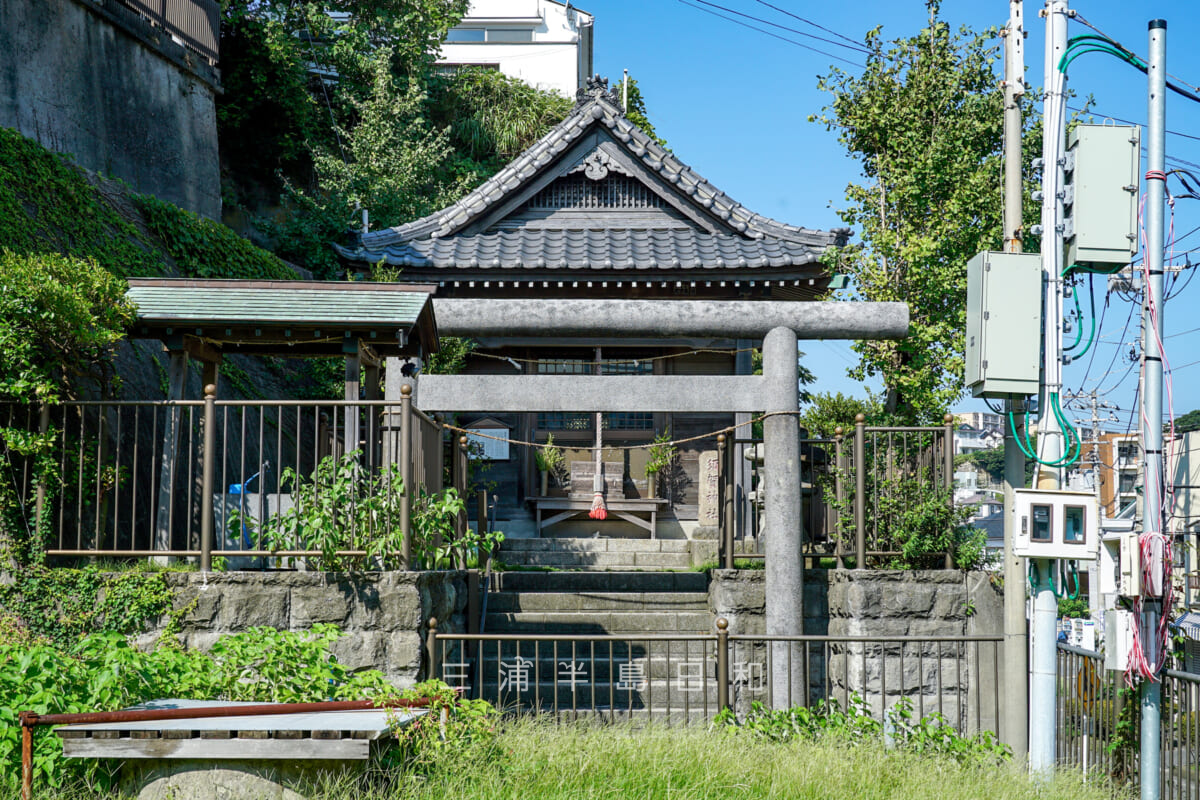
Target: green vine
(203, 248)
(47, 205)
(64, 605)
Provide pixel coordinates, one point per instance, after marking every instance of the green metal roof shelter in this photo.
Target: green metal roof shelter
(206, 319)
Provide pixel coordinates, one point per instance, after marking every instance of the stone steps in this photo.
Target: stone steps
(528, 601)
(637, 581)
(640, 621)
(597, 554)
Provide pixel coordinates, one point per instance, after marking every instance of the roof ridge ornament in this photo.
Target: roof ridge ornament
(597, 166)
(597, 89)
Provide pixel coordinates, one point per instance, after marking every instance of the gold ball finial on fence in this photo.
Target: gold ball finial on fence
(837, 431)
(722, 623)
(720, 439)
(462, 442)
(948, 418)
(406, 390)
(433, 623)
(860, 418)
(210, 390)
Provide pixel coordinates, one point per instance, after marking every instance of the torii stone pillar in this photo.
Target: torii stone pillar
(783, 524)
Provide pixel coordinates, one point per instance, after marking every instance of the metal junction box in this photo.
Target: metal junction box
(1004, 323)
(1101, 196)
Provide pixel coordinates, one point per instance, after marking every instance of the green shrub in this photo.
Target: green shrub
(103, 672)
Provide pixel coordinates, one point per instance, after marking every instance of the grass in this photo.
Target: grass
(564, 762)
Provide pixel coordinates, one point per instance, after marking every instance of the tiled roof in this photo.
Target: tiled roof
(751, 237)
(621, 249)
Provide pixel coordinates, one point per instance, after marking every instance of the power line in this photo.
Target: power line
(853, 46)
(771, 34)
(809, 21)
(1130, 122)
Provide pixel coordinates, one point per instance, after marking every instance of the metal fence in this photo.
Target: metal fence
(1098, 724)
(856, 487)
(231, 479)
(680, 678)
(196, 23)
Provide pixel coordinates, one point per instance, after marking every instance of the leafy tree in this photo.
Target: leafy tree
(829, 411)
(60, 317)
(635, 108)
(1188, 422)
(924, 119)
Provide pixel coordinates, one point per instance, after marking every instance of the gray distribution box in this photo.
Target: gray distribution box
(1102, 196)
(1004, 323)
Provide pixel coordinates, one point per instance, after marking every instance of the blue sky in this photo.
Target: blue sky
(734, 104)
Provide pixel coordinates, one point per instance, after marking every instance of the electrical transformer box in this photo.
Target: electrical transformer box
(1004, 323)
(1100, 196)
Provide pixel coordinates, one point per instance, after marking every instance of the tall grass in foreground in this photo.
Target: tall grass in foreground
(543, 761)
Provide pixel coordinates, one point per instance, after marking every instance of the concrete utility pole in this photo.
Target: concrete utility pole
(1152, 371)
(1043, 721)
(1015, 719)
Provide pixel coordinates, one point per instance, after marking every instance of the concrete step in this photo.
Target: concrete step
(597, 601)
(598, 622)
(614, 581)
(616, 561)
(545, 664)
(658, 694)
(585, 545)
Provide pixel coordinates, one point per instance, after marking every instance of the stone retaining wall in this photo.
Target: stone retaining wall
(383, 614)
(959, 680)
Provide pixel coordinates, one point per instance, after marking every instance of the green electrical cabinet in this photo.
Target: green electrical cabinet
(1004, 324)
(1100, 196)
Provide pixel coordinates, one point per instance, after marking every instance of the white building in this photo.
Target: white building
(546, 43)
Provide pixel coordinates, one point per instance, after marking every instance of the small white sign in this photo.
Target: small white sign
(493, 449)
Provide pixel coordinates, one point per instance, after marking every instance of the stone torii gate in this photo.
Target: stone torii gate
(779, 325)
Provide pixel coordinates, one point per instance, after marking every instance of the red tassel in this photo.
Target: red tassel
(598, 510)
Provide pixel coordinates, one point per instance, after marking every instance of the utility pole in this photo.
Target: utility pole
(1015, 719)
(1042, 700)
(1152, 371)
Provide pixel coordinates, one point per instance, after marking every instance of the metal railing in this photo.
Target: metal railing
(1098, 724)
(854, 488)
(224, 478)
(196, 23)
(677, 678)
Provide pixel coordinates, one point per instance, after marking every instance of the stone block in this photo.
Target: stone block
(951, 603)
(907, 600)
(202, 606)
(361, 650)
(863, 600)
(324, 604)
(247, 606)
(403, 653)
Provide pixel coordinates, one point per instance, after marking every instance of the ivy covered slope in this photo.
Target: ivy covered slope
(49, 205)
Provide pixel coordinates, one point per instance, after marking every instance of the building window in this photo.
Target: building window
(510, 35)
(469, 35)
(1128, 483)
(466, 35)
(608, 366)
(615, 421)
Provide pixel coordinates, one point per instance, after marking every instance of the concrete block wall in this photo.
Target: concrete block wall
(383, 615)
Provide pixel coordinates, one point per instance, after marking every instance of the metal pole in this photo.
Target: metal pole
(948, 475)
(1050, 435)
(724, 530)
(722, 664)
(39, 503)
(1042, 695)
(860, 492)
(207, 478)
(406, 488)
(839, 493)
(1015, 718)
(1152, 372)
(1043, 690)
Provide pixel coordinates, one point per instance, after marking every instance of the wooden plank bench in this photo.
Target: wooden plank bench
(640, 511)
